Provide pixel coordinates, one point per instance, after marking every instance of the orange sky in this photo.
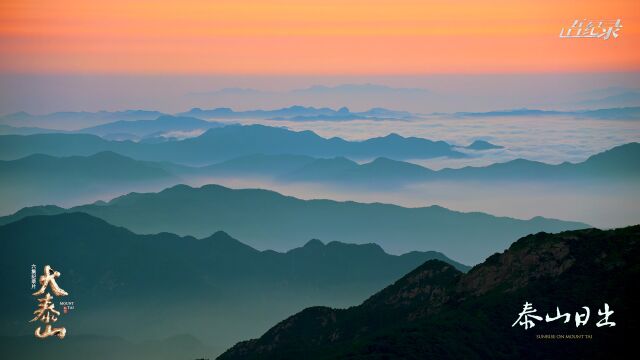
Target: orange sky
(311, 36)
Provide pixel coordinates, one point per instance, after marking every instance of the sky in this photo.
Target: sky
(310, 36)
(93, 55)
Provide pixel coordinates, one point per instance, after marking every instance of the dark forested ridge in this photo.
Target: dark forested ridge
(437, 312)
(159, 286)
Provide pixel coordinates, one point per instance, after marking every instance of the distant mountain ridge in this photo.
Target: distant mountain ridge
(300, 113)
(76, 120)
(619, 162)
(43, 179)
(223, 143)
(279, 222)
(619, 113)
(132, 125)
(483, 145)
(101, 166)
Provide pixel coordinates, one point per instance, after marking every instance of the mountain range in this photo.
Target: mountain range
(227, 142)
(618, 113)
(616, 163)
(88, 121)
(102, 122)
(142, 287)
(268, 220)
(414, 99)
(619, 162)
(437, 312)
(301, 113)
(43, 179)
(289, 156)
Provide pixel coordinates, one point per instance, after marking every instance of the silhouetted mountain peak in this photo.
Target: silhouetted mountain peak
(184, 187)
(313, 244)
(59, 222)
(393, 136)
(223, 241)
(221, 235)
(371, 248)
(625, 153)
(483, 145)
(38, 210)
(429, 283)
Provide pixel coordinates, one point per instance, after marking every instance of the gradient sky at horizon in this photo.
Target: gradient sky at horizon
(311, 37)
(63, 55)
